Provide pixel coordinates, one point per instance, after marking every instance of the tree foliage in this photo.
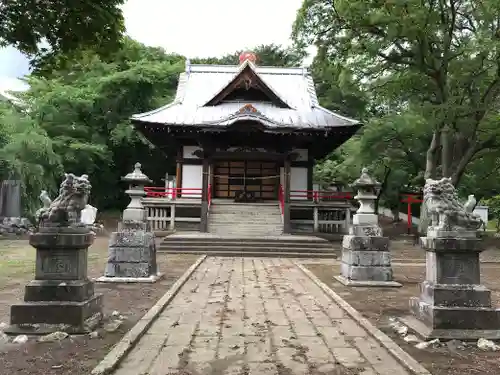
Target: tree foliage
(267, 55)
(26, 153)
(430, 73)
(78, 114)
(65, 27)
(84, 107)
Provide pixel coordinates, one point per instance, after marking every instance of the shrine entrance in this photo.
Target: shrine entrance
(257, 180)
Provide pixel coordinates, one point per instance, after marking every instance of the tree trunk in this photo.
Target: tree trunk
(462, 164)
(395, 215)
(382, 188)
(431, 156)
(430, 172)
(445, 152)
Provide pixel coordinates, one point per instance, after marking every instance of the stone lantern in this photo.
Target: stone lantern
(367, 189)
(366, 260)
(137, 181)
(132, 249)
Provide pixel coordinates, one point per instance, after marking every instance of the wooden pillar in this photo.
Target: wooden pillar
(178, 173)
(287, 228)
(310, 169)
(204, 195)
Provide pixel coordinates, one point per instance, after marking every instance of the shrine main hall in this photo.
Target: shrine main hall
(244, 134)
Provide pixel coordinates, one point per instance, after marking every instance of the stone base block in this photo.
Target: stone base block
(428, 333)
(454, 295)
(366, 258)
(72, 317)
(147, 280)
(366, 273)
(455, 317)
(347, 282)
(131, 254)
(365, 243)
(58, 290)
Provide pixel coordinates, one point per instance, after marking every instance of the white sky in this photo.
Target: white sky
(194, 28)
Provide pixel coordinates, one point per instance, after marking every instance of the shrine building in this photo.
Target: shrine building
(244, 134)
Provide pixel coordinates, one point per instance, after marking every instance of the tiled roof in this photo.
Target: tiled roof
(200, 83)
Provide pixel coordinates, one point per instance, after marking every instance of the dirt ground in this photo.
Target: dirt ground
(379, 304)
(76, 355)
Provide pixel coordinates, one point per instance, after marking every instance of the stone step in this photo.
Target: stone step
(247, 234)
(285, 239)
(246, 248)
(243, 214)
(243, 226)
(253, 209)
(255, 244)
(270, 253)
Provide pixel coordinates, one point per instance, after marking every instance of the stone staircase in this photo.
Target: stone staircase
(285, 246)
(245, 220)
(246, 230)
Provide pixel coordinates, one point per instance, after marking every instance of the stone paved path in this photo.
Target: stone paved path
(240, 316)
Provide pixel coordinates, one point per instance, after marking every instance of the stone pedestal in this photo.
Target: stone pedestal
(366, 260)
(131, 256)
(61, 297)
(453, 304)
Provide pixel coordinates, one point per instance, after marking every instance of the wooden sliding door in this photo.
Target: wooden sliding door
(259, 178)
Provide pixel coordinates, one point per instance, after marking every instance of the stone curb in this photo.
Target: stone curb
(132, 337)
(399, 354)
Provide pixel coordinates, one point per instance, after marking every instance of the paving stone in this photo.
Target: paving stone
(257, 348)
(166, 361)
(138, 361)
(258, 317)
(349, 357)
(349, 327)
(179, 335)
(381, 361)
(262, 369)
(304, 328)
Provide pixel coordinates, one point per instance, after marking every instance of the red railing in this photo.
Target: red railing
(159, 192)
(281, 198)
(318, 195)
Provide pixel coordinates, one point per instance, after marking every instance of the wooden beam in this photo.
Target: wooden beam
(204, 196)
(286, 189)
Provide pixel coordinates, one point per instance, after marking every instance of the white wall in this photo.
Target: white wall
(298, 181)
(187, 152)
(192, 178)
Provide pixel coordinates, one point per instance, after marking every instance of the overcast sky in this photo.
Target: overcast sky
(193, 28)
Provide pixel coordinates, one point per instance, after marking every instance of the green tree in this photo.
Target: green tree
(26, 153)
(64, 26)
(85, 106)
(267, 55)
(440, 60)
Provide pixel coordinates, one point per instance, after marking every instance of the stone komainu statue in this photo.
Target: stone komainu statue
(66, 209)
(445, 211)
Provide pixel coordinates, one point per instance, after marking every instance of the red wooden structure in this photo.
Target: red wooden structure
(409, 199)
